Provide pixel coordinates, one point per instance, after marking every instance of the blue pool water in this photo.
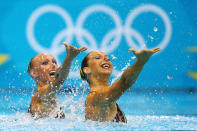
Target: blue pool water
(112, 26)
(150, 110)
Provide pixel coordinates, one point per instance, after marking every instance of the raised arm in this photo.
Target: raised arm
(129, 76)
(63, 71)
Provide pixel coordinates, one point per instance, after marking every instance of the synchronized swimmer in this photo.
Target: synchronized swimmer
(96, 68)
(49, 79)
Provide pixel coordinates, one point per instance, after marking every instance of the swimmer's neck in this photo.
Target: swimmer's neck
(98, 82)
(41, 84)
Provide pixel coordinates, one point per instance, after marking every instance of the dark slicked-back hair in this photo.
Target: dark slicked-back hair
(30, 66)
(84, 64)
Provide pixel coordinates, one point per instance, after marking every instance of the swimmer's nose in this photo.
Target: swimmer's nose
(53, 66)
(106, 59)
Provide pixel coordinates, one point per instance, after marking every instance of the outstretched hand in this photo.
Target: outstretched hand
(73, 51)
(144, 54)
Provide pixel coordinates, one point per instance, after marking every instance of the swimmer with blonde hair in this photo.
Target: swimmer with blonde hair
(96, 68)
(49, 79)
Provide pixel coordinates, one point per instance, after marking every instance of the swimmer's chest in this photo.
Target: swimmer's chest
(45, 101)
(102, 112)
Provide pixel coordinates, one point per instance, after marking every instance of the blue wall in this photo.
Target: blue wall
(31, 27)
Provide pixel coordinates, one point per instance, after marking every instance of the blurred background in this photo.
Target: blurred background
(168, 82)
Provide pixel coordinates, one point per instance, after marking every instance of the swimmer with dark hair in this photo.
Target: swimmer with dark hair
(49, 78)
(96, 68)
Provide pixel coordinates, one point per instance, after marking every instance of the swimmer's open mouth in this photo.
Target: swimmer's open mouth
(52, 73)
(105, 66)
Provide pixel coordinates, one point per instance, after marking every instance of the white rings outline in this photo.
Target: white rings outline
(68, 33)
(116, 31)
(143, 9)
(79, 31)
(32, 20)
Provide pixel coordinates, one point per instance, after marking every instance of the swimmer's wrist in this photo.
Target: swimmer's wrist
(70, 57)
(140, 62)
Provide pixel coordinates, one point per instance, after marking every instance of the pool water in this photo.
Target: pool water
(144, 111)
(22, 121)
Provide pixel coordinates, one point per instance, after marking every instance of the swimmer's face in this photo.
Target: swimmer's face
(44, 67)
(99, 63)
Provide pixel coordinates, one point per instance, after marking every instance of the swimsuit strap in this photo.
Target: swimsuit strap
(120, 116)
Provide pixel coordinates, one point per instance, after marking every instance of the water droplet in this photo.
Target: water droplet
(150, 37)
(113, 57)
(169, 77)
(133, 57)
(155, 29)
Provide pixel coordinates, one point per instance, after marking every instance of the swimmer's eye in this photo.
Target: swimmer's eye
(55, 62)
(44, 63)
(97, 57)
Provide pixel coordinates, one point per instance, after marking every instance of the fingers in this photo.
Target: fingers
(72, 47)
(64, 43)
(133, 50)
(82, 49)
(156, 50)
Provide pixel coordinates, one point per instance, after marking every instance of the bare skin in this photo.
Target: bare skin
(100, 104)
(49, 79)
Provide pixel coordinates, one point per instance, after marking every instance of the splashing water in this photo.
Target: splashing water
(15, 116)
(23, 121)
(118, 74)
(73, 105)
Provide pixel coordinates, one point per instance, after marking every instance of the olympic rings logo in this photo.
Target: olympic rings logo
(77, 30)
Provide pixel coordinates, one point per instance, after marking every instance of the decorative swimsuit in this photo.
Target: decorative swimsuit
(120, 116)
